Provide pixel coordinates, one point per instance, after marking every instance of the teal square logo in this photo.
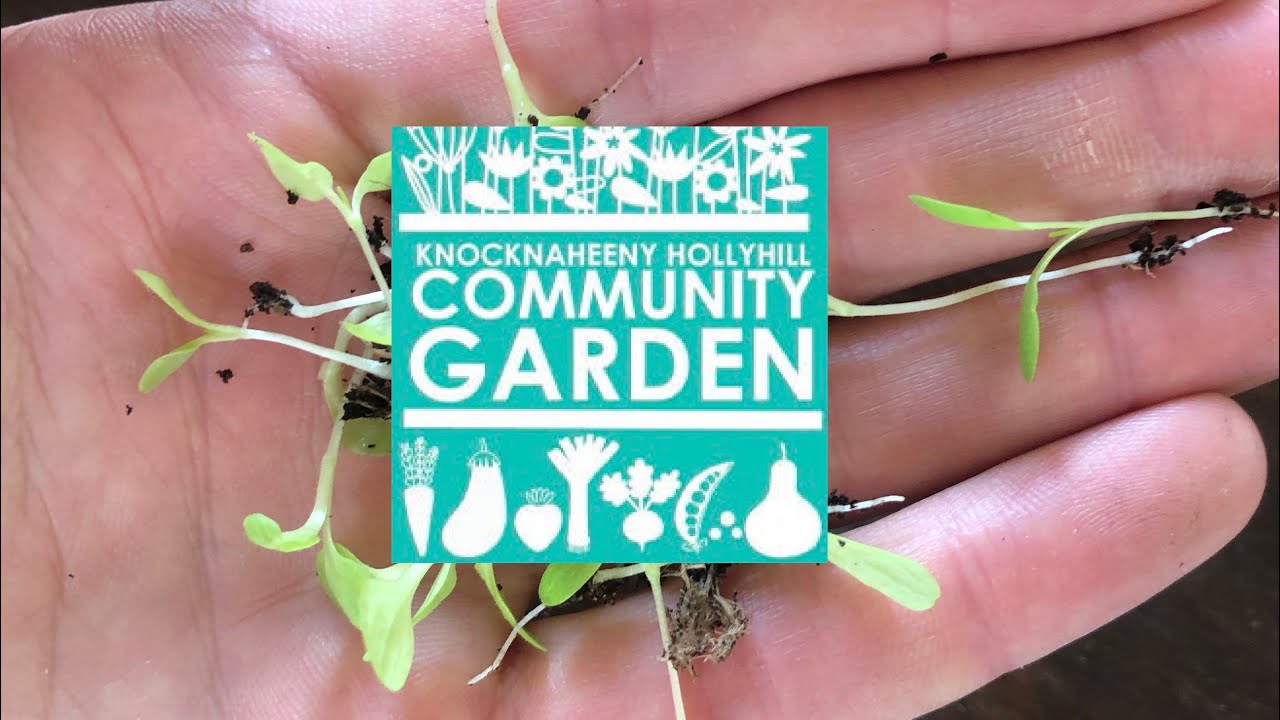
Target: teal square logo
(610, 344)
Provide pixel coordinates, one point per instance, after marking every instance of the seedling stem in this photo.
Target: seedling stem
(654, 574)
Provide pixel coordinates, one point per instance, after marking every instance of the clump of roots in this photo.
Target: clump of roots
(705, 625)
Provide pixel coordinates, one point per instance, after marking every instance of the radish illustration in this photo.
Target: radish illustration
(538, 521)
(641, 491)
(642, 527)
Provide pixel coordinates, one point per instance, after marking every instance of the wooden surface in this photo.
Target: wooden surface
(1206, 648)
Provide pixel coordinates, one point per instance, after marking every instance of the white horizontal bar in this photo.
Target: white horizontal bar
(708, 420)
(604, 222)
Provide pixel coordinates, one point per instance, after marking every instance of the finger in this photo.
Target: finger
(444, 70)
(1111, 340)
(326, 85)
(705, 59)
(1125, 123)
(1029, 556)
(314, 667)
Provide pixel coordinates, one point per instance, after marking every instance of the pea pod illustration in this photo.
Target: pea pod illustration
(691, 508)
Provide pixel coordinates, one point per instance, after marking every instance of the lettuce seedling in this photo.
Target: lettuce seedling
(1227, 205)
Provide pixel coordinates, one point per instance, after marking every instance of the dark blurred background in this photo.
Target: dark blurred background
(1208, 647)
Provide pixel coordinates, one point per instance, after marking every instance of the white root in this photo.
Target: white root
(594, 104)
(309, 311)
(843, 308)
(865, 504)
(511, 638)
(371, 366)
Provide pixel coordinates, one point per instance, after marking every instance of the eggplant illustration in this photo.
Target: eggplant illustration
(479, 521)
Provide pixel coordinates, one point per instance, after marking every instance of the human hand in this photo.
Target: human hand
(1047, 509)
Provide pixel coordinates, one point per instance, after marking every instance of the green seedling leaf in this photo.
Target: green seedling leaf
(342, 576)
(386, 614)
(440, 589)
(165, 365)
(561, 580)
(367, 436)
(1060, 232)
(161, 289)
(376, 178)
(378, 601)
(266, 533)
(162, 367)
(901, 579)
(485, 571)
(376, 330)
(967, 215)
(1029, 316)
(309, 181)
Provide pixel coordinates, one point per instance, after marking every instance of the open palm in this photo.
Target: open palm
(1044, 510)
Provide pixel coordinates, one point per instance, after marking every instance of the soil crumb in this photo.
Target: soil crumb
(370, 399)
(594, 595)
(1236, 206)
(376, 235)
(1151, 255)
(268, 297)
(226, 375)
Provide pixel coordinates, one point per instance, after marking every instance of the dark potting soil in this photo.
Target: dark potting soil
(268, 297)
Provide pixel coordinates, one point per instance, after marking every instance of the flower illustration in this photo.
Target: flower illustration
(615, 147)
(446, 147)
(552, 178)
(671, 166)
(715, 182)
(774, 152)
(506, 161)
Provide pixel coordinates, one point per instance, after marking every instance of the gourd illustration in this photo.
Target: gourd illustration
(480, 519)
(578, 460)
(538, 521)
(418, 462)
(784, 524)
(691, 507)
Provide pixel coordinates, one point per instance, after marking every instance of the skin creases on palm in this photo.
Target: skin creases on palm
(127, 575)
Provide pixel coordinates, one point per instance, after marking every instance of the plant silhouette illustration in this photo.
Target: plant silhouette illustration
(481, 518)
(641, 491)
(579, 459)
